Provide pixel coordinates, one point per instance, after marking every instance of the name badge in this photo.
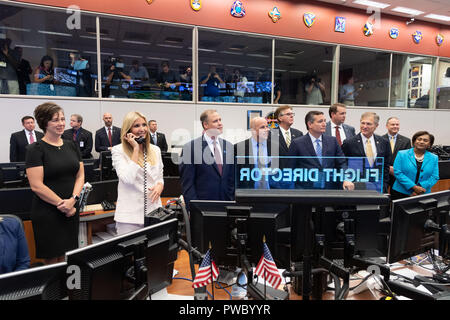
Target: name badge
(81, 144)
(3, 64)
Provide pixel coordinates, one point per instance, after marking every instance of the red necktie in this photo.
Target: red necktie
(217, 158)
(74, 136)
(338, 136)
(109, 137)
(31, 137)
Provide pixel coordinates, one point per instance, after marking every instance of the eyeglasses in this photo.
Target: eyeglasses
(289, 114)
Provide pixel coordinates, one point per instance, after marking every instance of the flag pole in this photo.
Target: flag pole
(265, 275)
(212, 274)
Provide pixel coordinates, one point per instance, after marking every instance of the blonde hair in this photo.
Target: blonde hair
(127, 124)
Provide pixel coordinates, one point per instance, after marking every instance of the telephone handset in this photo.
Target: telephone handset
(140, 140)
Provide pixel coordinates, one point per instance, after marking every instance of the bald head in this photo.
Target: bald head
(107, 119)
(260, 128)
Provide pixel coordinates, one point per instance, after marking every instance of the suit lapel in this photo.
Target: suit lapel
(283, 142)
(361, 150)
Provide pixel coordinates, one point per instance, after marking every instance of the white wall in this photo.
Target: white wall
(180, 121)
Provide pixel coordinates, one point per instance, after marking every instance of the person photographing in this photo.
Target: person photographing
(137, 164)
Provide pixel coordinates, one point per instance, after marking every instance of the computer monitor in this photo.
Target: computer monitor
(131, 266)
(107, 171)
(13, 175)
(170, 168)
(40, 283)
(89, 170)
(103, 190)
(215, 222)
(409, 235)
(359, 221)
(16, 201)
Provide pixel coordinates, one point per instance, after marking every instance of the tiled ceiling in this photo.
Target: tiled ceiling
(439, 7)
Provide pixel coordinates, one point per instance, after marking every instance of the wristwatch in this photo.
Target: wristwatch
(75, 197)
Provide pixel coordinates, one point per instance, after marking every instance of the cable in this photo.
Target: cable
(187, 279)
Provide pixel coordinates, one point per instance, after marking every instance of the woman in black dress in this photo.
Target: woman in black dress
(56, 175)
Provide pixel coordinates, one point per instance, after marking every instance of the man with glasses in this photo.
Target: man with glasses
(281, 137)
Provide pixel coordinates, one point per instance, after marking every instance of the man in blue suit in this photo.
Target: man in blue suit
(207, 163)
(320, 151)
(336, 126)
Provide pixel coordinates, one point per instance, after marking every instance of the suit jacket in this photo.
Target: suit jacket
(83, 141)
(160, 141)
(303, 147)
(348, 130)
(401, 143)
(354, 147)
(405, 171)
(130, 191)
(278, 146)
(13, 246)
(102, 140)
(18, 143)
(199, 174)
(245, 149)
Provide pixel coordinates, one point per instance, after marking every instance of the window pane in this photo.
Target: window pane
(364, 78)
(443, 85)
(234, 68)
(303, 72)
(49, 53)
(411, 81)
(145, 60)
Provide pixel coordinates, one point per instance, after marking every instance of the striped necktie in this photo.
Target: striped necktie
(392, 144)
(369, 152)
(288, 139)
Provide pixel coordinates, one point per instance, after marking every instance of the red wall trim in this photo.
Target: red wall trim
(216, 14)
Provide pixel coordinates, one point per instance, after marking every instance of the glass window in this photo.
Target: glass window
(364, 77)
(303, 72)
(48, 53)
(411, 81)
(234, 68)
(145, 60)
(443, 85)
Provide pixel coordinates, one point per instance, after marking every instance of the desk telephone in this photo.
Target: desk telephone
(106, 205)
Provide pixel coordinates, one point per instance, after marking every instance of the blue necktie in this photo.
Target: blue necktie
(319, 150)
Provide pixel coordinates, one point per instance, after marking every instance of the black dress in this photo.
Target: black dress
(54, 233)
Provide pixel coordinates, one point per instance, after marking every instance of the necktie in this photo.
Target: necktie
(31, 137)
(338, 136)
(109, 137)
(74, 136)
(154, 138)
(369, 152)
(392, 144)
(217, 157)
(319, 150)
(261, 163)
(288, 139)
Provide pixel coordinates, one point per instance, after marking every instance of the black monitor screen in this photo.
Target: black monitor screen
(16, 201)
(210, 222)
(107, 171)
(40, 283)
(13, 175)
(103, 190)
(408, 236)
(133, 265)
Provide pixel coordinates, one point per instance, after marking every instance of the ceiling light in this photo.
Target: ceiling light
(55, 33)
(235, 53)
(130, 56)
(437, 17)
(372, 4)
(136, 42)
(409, 11)
(15, 29)
(284, 57)
(235, 65)
(256, 55)
(169, 46)
(205, 50)
(63, 49)
(156, 58)
(28, 46)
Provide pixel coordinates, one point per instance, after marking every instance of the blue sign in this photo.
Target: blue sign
(339, 25)
(394, 33)
(237, 9)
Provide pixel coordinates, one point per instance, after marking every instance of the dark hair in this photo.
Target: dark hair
(310, 117)
(334, 108)
(280, 109)
(44, 113)
(26, 118)
(79, 117)
(46, 58)
(423, 133)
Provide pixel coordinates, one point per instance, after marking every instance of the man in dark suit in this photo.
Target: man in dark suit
(367, 144)
(336, 126)
(253, 153)
(21, 139)
(207, 163)
(320, 151)
(108, 136)
(82, 137)
(280, 139)
(397, 143)
(157, 138)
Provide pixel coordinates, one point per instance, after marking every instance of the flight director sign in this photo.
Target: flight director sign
(309, 173)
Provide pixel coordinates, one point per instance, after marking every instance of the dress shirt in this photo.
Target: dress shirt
(313, 140)
(341, 130)
(372, 142)
(27, 134)
(211, 145)
(284, 133)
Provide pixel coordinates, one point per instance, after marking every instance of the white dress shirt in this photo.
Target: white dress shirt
(27, 134)
(283, 132)
(341, 130)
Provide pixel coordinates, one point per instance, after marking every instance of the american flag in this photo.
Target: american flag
(267, 268)
(203, 276)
